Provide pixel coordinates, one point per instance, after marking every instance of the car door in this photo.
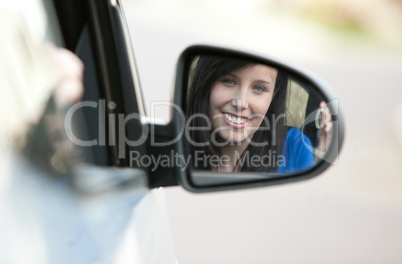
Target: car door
(102, 211)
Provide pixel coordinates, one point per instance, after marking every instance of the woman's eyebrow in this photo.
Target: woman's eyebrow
(229, 74)
(263, 81)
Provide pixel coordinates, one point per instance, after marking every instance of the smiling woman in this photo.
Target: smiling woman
(240, 100)
(241, 122)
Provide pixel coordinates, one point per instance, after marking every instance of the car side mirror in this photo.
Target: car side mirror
(248, 121)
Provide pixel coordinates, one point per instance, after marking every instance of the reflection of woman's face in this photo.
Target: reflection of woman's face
(240, 100)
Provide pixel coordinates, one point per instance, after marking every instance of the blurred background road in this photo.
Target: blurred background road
(350, 214)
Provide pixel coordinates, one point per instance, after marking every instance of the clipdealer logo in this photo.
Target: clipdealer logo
(121, 140)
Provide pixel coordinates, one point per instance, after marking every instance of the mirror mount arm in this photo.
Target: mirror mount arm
(162, 170)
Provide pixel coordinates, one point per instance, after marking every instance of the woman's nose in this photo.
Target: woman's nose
(241, 101)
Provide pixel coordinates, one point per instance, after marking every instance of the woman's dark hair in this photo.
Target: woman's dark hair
(209, 69)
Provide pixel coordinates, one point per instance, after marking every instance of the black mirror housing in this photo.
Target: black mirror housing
(206, 180)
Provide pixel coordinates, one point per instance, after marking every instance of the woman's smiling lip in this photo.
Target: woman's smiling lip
(235, 121)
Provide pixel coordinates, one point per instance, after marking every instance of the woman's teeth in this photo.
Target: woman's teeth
(236, 120)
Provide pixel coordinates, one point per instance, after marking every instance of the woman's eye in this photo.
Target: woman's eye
(259, 88)
(229, 81)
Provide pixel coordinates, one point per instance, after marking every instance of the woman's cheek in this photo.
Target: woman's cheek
(261, 107)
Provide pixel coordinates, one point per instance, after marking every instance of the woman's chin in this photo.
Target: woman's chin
(235, 141)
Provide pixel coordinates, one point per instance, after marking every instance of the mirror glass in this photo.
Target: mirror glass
(250, 121)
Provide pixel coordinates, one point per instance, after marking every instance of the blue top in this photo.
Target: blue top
(298, 152)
